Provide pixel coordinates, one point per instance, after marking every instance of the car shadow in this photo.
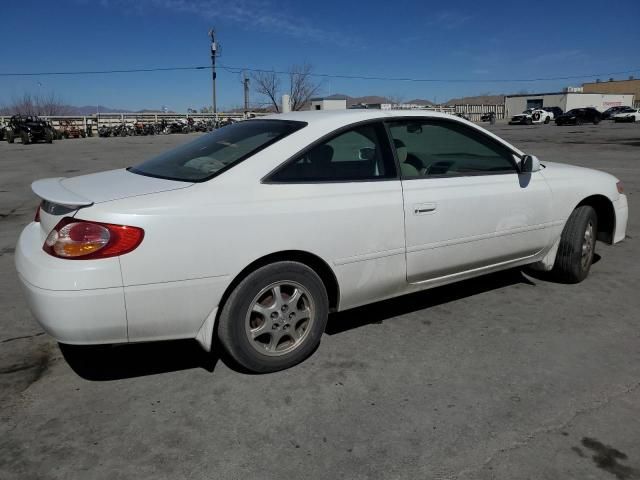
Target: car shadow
(116, 362)
(387, 309)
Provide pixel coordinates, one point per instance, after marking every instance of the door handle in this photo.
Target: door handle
(424, 208)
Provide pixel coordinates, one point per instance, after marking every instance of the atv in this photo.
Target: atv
(30, 129)
(71, 130)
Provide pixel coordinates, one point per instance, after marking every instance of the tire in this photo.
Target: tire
(266, 342)
(48, 137)
(578, 121)
(25, 138)
(577, 246)
(596, 121)
(528, 121)
(546, 120)
(10, 137)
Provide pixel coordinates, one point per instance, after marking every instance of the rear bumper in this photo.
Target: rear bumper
(77, 302)
(622, 216)
(81, 317)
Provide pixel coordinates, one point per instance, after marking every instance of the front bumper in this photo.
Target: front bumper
(518, 121)
(75, 301)
(622, 216)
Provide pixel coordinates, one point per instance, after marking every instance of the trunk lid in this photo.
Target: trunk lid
(63, 197)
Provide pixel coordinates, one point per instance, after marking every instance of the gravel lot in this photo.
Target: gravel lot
(506, 376)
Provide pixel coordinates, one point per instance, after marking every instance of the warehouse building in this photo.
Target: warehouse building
(631, 85)
(572, 98)
(332, 103)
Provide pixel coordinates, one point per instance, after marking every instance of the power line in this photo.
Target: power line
(322, 75)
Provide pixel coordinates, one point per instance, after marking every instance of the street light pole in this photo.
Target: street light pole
(245, 82)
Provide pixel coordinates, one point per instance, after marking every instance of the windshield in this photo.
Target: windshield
(215, 152)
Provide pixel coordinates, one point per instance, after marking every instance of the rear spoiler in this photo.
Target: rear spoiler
(51, 190)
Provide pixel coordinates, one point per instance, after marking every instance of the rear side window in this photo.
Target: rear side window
(218, 151)
(360, 153)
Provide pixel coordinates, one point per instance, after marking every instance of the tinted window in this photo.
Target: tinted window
(357, 154)
(203, 158)
(436, 149)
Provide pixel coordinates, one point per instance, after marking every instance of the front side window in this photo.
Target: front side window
(209, 155)
(446, 149)
(357, 154)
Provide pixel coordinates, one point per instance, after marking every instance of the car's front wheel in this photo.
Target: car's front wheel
(577, 245)
(275, 317)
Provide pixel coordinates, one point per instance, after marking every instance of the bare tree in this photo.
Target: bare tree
(301, 86)
(29, 104)
(51, 104)
(268, 84)
(395, 99)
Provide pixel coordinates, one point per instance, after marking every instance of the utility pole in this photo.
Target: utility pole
(214, 54)
(245, 81)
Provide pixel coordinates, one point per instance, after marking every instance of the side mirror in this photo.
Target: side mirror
(529, 164)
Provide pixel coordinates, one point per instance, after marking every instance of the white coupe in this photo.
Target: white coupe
(632, 115)
(252, 234)
(531, 116)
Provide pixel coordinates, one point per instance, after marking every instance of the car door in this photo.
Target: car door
(346, 196)
(466, 205)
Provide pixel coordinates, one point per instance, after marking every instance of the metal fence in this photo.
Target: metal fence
(112, 119)
(474, 112)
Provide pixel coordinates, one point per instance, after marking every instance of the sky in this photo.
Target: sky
(471, 40)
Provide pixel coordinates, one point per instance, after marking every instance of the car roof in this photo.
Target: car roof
(330, 120)
(340, 118)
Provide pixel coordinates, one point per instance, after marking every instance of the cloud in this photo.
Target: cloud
(558, 57)
(262, 15)
(450, 19)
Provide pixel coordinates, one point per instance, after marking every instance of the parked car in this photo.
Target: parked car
(557, 111)
(609, 113)
(631, 115)
(531, 116)
(578, 116)
(255, 232)
(29, 129)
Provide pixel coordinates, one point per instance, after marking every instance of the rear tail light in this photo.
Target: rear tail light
(620, 187)
(83, 240)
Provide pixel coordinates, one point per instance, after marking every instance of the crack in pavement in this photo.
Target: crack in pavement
(541, 431)
(12, 339)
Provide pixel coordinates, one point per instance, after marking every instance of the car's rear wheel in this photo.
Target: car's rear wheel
(25, 138)
(528, 121)
(546, 120)
(577, 245)
(275, 317)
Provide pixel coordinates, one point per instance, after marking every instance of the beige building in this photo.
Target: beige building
(632, 86)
